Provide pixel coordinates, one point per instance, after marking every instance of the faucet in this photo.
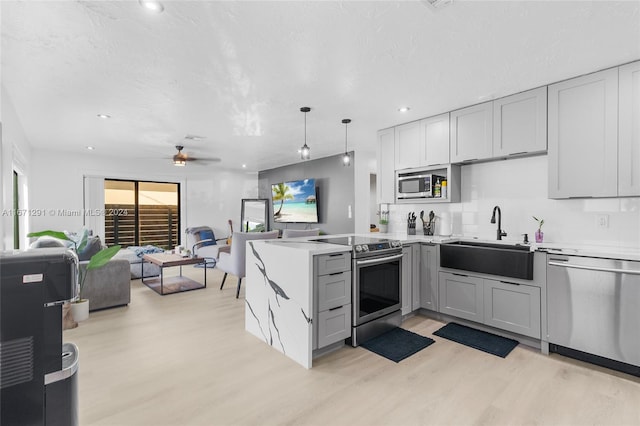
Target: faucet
(499, 232)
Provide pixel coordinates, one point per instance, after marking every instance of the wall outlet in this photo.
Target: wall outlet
(602, 221)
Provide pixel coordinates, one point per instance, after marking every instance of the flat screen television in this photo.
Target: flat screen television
(295, 201)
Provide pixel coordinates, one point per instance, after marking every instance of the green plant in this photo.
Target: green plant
(79, 242)
(540, 222)
(384, 217)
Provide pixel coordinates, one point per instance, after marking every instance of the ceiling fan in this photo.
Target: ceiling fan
(180, 159)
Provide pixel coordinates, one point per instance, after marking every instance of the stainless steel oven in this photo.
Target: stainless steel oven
(377, 294)
(376, 285)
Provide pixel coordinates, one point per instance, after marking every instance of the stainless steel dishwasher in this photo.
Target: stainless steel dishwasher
(594, 310)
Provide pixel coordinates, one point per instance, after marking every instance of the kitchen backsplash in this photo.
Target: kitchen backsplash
(519, 187)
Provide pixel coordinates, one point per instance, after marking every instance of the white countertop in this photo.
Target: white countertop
(312, 247)
(590, 250)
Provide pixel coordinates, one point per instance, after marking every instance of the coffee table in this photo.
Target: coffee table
(170, 285)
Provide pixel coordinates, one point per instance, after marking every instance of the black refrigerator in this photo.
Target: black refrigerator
(38, 373)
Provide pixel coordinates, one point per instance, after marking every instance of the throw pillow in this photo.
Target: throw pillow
(94, 245)
(207, 235)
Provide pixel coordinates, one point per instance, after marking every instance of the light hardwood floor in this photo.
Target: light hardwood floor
(185, 359)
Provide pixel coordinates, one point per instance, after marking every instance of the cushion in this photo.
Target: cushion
(207, 235)
(94, 245)
(46, 242)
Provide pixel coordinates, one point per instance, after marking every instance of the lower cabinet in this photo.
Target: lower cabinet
(512, 307)
(429, 276)
(410, 278)
(332, 299)
(334, 325)
(501, 304)
(461, 296)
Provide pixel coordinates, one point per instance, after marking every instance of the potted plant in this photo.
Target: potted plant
(384, 220)
(80, 307)
(539, 234)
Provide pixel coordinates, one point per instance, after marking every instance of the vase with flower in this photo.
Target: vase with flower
(539, 234)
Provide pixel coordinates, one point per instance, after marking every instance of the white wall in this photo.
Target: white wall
(519, 187)
(209, 196)
(364, 165)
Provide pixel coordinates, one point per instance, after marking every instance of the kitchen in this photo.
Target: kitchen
(562, 307)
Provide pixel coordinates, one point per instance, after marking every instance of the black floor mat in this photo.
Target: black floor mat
(397, 344)
(486, 342)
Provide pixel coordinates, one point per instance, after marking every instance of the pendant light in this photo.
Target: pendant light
(305, 151)
(346, 158)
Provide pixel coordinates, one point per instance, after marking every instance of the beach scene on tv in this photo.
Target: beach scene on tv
(295, 202)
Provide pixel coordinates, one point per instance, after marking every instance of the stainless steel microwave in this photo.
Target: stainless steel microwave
(416, 185)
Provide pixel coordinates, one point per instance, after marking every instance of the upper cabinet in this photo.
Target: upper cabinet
(520, 123)
(583, 136)
(471, 133)
(422, 143)
(386, 170)
(407, 145)
(434, 140)
(629, 128)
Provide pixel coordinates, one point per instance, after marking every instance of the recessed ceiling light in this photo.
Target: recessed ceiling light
(90, 148)
(152, 5)
(244, 166)
(104, 116)
(403, 109)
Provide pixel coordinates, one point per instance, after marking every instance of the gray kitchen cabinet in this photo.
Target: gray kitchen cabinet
(386, 166)
(410, 278)
(334, 290)
(429, 276)
(332, 298)
(335, 262)
(471, 133)
(415, 290)
(629, 130)
(407, 284)
(434, 141)
(520, 123)
(407, 145)
(334, 325)
(512, 307)
(461, 295)
(583, 136)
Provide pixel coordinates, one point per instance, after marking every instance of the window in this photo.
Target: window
(142, 213)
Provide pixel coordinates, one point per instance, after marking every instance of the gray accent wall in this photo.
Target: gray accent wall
(335, 189)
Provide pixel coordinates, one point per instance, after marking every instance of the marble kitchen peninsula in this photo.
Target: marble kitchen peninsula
(279, 294)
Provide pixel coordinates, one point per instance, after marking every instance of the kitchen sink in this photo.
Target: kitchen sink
(507, 260)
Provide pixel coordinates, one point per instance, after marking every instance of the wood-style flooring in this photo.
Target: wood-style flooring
(185, 359)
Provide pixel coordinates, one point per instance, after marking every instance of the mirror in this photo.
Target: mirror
(254, 215)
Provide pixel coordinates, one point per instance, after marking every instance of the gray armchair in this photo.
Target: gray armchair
(293, 233)
(234, 262)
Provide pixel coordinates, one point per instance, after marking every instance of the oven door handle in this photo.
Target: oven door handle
(378, 260)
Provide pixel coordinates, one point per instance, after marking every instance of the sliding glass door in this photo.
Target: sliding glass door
(142, 213)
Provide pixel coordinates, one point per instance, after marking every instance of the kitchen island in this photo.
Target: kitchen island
(279, 294)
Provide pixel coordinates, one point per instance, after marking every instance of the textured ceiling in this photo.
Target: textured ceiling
(238, 72)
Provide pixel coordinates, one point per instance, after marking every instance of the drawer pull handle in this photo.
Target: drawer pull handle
(337, 273)
(336, 254)
(508, 282)
(338, 307)
(460, 275)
